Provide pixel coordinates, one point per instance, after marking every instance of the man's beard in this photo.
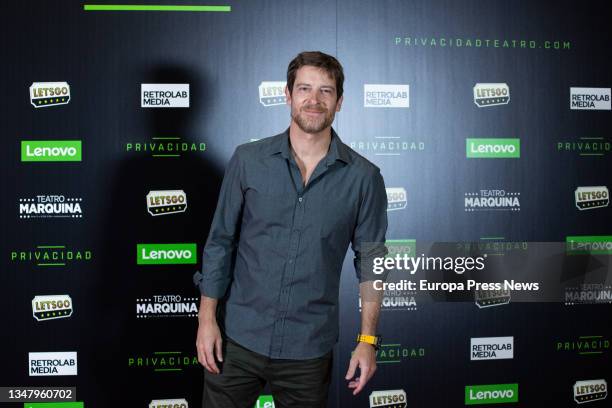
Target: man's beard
(312, 125)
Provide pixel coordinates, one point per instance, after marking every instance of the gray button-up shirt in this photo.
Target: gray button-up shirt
(276, 247)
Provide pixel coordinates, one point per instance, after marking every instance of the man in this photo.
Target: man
(289, 207)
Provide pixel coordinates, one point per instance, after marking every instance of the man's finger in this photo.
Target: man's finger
(351, 370)
(218, 344)
(202, 357)
(362, 379)
(210, 359)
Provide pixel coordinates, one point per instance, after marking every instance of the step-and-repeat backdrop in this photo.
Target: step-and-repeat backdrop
(490, 121)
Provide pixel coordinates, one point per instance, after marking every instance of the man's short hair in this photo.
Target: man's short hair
(319, 60)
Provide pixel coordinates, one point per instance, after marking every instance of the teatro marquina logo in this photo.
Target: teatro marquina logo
(163, 254)
(272, 93)
(491, 348)
(169, 403)
(492, 200)
(396, 198)
(163, 361)
(164, 202)
(493, 148)
(53, 363)
(588, 294)
(51, 151)
(158, 306)
(45, 94)
(51, 307)
(388, 399)
(51, 206)
(486, 95)
(51, 256)
(590, 390)
(588, 198)
(590, 98)
(385, 96)
(164, 95)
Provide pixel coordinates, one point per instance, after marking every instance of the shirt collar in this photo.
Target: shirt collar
(337, 149)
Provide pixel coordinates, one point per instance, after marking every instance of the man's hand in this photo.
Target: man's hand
(363, 357)
(209, 344)
(208, 341)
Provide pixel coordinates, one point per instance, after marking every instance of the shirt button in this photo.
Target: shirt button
(300, 199)
(291, 261)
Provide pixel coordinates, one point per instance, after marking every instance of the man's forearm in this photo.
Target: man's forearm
(208, 309)
(370, 307)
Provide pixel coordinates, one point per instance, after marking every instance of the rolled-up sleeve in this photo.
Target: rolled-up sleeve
(219, 251)
(368, 240)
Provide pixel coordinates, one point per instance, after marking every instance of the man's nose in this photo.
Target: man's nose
(313, 97)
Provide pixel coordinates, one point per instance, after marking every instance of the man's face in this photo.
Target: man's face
(313, 101)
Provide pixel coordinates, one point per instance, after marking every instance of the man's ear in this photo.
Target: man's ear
(287, 95)
(339, 104)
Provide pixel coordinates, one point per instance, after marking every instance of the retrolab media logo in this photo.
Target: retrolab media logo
(164, 95)
(386, 96)
(45, 94)
(52, 363)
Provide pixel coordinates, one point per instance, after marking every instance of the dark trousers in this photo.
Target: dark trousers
(294, 383)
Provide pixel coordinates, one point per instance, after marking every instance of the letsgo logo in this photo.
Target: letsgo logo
(56, 363)
(50, 206)
(489, 298)
(164, 95)
(486, 95)
(590, 390)
(165, 254)
(491, 348)
(166, 202)
(169, 403)
(388, 399)
(491, 394)
(493, 148)
(385, 96)
(588, 244)
(396, 198)
(590, 98)
(50, 150)
(45, 94)
(588, 198)
(264, 401)
(51, 307)
(272, 93)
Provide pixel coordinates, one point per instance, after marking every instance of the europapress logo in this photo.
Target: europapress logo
(51, 206)
(50, 307)
(388, 399)
(272, 93)
(493, 148)
(491, 394)
(169, 403)
(590, 390)
(51, 256)
(45, 94)
(396, 198)
(588, 198)
(164, 95)
(51, 151)
(386, 96)
(164, 254)
(492, 200)
(486, 95)
(160, 306)
(164, 202)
